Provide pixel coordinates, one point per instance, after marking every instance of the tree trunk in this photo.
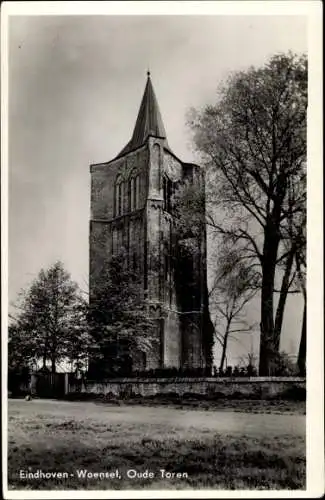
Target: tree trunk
(224, 346)
(45, 351)
(282, 301)
(270, 251)
(53, 364)
(208, 332)
(302, 346)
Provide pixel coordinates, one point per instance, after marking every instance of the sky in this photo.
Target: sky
(75, 86)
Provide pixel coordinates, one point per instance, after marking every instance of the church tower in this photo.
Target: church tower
(131, 207)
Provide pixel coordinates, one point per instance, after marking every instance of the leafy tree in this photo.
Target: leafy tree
(50, 319)
(20, 351)
(20, 359)
(119, 319)
(253, 144)
(79, 343)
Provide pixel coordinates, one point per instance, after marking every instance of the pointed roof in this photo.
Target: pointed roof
(149, 121)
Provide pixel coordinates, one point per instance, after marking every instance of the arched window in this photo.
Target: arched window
(134, 187)
(168, 193)
(137, 192)
(132, 182)
(119, 197)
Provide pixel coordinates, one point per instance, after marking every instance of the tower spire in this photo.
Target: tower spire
(148, 122)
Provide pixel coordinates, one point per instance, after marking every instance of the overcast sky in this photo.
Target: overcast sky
(75, 85)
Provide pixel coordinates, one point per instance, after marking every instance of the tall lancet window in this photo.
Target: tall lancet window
(132, 181)
(134, 193)
(168, 193)
(119, 197)
(137, 192)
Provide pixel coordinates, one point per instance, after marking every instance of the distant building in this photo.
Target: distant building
(131, 207)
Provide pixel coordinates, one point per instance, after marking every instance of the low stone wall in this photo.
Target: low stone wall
(250, 387)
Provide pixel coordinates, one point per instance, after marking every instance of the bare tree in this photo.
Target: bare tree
(253, 144)
(233, 288)
(293, 230)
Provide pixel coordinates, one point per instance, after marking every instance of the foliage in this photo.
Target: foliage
(283, 365)
(50, 323)
(119, 318)
(20, 352)
(253, 145)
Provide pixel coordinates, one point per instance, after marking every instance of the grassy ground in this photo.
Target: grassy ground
(279, 407)
(217, 450)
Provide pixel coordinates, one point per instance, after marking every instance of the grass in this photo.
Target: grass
(68, 437)
(279, 407)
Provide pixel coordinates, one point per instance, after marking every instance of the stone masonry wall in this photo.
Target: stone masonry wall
(104, 176)
(260, 387)
(172, 341)
(128, 228)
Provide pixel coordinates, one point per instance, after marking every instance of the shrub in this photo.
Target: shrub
(282, 365)
(157, 373)
(294, 393)
(237, 395)
(217, 395)
(18, 381)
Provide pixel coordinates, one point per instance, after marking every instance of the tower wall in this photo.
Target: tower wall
(110, 233)
(103, 182)
(175, 283)
(153, 246)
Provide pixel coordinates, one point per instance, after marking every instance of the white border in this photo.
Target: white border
(159, 7)
(315, 365)
(315, 273)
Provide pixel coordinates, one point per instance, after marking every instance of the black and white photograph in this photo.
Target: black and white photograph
(156, 272)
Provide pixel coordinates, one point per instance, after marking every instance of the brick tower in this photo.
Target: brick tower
(131, 207)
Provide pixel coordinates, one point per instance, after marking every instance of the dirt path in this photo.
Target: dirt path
(218, 421)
